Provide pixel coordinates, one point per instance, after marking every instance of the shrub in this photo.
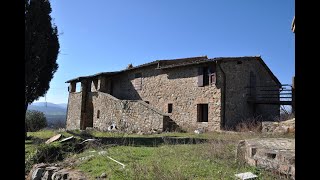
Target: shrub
(44, 154)
(54, 152)
(251, 124)
(35, 120)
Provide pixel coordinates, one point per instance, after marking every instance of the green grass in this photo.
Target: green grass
(36, 141)
(39, 137)
(46, 134)
(29, 148)
(207, 135)
(211, 160)
(197, 161)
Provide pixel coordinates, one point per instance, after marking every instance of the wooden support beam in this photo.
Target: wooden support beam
(271, 102)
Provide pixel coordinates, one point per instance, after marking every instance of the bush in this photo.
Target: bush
(251, 124)
(35, 120)
(54, 152)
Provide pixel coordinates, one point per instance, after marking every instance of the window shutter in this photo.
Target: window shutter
(200, 76)
(198, 113)
(213, 76)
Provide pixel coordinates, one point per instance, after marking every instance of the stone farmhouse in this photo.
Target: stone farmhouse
(189, 93)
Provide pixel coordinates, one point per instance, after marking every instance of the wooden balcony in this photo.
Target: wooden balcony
(270, 95)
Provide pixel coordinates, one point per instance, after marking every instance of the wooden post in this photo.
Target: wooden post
(293, 95)
(72, 87)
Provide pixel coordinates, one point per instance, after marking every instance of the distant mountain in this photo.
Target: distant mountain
(49, 104)
(55, 113)
(49, 108)
(64, 105)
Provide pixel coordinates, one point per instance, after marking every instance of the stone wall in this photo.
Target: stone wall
(87, 112)
(127, 115)
(177, 86)
(274, 154)
(52, 172)
(74, 110)
(237, 91)
(282, 127)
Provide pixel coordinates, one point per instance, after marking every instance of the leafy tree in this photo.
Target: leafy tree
(41, 49)
(35, 120)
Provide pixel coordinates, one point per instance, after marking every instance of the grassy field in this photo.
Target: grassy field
(198, 161)
(158, 156)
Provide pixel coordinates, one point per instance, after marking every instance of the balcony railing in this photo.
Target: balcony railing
(270, 94)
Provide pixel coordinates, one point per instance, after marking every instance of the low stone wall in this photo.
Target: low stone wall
(49, 172)
(279, 127)
(274, 154)
(126, 115)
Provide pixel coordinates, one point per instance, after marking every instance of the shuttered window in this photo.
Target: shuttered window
(213, 77)
(200, 76)
(207, 75)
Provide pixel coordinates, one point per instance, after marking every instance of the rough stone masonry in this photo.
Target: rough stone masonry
(274, 154)
(190, 93)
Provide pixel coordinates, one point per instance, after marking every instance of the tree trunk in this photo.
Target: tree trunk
(25, 125)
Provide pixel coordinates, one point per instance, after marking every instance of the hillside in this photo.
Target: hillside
(49, 108)
(55, 113)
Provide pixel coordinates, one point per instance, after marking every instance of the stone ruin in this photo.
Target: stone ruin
(274, 154)
(44, 171)
(282, 127)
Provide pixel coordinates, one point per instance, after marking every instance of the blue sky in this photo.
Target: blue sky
(104, 35)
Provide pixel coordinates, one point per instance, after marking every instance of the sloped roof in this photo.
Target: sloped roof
(78, 79)
(251, 57)
(173, 63)
(165, 62)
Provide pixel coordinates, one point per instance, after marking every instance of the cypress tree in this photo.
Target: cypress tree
(41, 49)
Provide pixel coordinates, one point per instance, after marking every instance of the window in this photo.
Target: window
(170, 108)
(95, 85)
(138, 81)
(206, 75)
(271, 155)
(98, 114)
(78, 87)
(202, 112)
(253, 151)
